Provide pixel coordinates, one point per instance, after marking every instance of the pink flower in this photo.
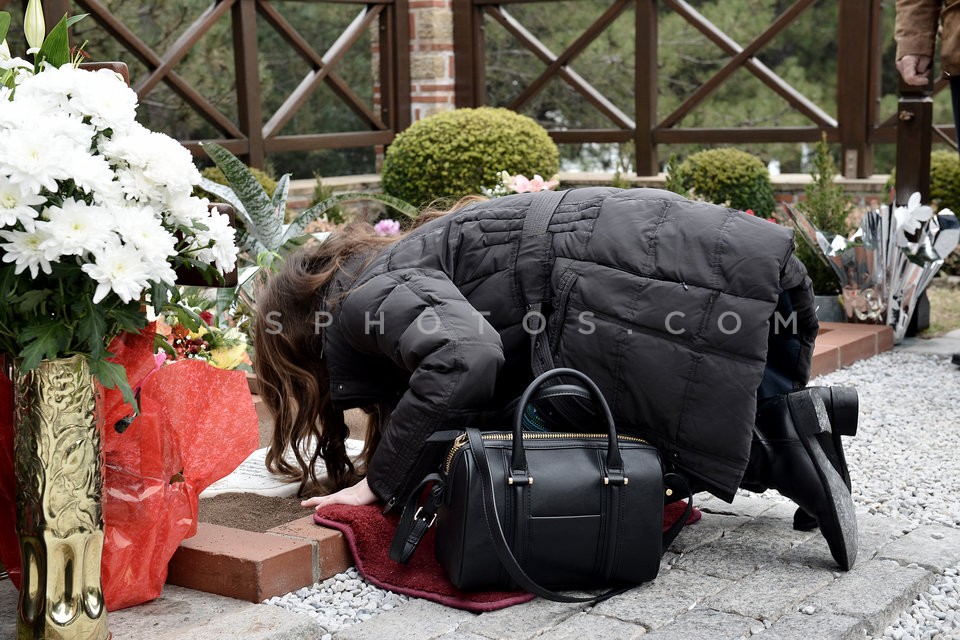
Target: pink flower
(521, 184)
(750, 211)
(387, 227)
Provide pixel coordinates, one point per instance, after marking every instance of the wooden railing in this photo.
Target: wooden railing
(856, 126)
(253, 134)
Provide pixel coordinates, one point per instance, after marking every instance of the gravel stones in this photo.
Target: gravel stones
(904, 462)
(339, 602)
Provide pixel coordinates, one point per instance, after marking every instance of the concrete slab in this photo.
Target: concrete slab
(946, 345)
(891, 589)
(185, 614)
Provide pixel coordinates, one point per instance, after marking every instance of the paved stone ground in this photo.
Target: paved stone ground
(742, 571)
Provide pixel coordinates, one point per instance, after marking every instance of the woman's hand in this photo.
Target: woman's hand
(358, 494)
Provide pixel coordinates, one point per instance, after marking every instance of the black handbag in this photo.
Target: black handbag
(545, 510)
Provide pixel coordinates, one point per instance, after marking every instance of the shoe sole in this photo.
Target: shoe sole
(844, 410)
(840, 529)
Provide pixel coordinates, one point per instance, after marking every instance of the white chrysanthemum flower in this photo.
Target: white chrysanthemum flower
(93, 175)
(134, 183)
(76, 228)
(141, 227)
(216, 244)
(184, 210)
(106, 99)
(118, 268)
(16, 205)
(63, 125)
(16, 113)
(23, 248)
(159, 270)
(32, 158)
(52, 87)
(151, 165)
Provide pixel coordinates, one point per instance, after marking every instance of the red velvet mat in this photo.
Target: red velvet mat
(369, 533)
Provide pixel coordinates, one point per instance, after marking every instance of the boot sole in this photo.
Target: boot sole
(843, 409)
(840, 528)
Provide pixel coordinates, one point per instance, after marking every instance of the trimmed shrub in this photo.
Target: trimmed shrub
(727, 176)
(945, 180)
(828, 207)
(454, 153)
(945, 193)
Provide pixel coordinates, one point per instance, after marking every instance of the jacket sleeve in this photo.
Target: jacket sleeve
(423, 323)
(916, 27)
(799, 288)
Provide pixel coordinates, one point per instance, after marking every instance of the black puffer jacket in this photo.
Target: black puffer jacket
(665, 303)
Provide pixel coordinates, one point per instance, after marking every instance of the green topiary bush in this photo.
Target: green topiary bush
(726, 176)
(945, 180)
(945, 193)
(454, 153)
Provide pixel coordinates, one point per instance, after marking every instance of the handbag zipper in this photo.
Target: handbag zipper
(461, 440)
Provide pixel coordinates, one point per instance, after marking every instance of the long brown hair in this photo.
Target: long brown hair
(293, 376)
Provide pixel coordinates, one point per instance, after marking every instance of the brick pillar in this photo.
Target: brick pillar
(431, 57)
(431, 61)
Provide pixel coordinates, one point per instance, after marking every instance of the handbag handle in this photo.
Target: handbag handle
(518, 460)
(504, 553)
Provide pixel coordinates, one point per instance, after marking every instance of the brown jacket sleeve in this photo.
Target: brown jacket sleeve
(916, 27)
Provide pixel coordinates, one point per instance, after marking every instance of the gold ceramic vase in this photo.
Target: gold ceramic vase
(59, 467)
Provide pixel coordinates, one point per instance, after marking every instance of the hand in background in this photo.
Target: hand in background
(358, 494)
(915, 70)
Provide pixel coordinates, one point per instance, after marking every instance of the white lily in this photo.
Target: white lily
(34, 28)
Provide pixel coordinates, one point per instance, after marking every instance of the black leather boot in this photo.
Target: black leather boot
(843, 407)
(786, 455)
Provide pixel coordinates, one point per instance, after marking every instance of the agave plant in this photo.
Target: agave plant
(263, 235)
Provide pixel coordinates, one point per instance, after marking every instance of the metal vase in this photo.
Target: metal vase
(59, 467)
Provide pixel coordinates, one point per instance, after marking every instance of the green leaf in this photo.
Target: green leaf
(159, 294)
(279, 200)
(92, 327)
(300, 223)
(226, 296)
(228, 196)
(186, 316)
(28, 301)
(48, 339)
(56, 46)
(128, 318)
(248, 243)
(72, 20)
(160, 342)
(266, 221)
(4, 25)
(114, 376)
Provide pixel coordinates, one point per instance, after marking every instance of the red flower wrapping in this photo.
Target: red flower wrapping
(197, 424)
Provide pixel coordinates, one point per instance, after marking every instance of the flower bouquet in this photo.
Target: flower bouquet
(885, 265)
(223, 348)
(96, 215)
